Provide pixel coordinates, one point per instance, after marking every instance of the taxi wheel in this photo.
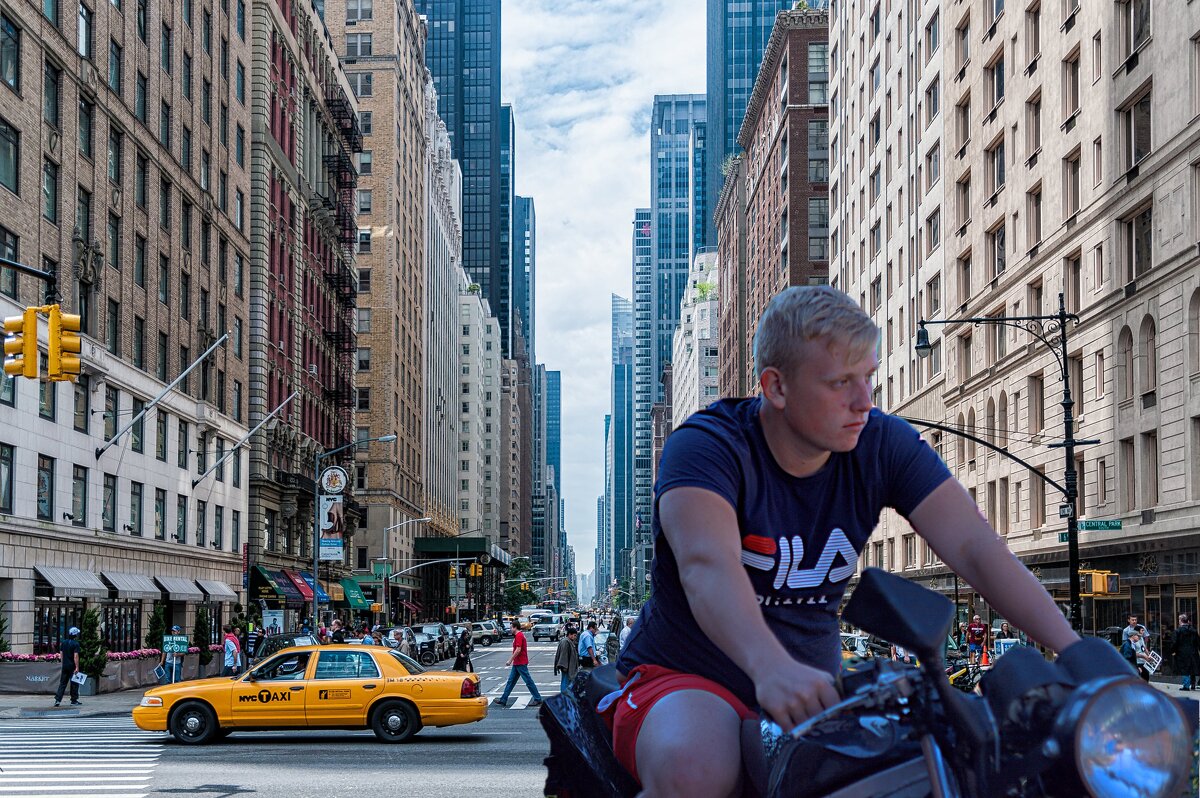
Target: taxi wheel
(395, 722)
(194, 724)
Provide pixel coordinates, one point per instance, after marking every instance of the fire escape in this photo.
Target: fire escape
(339, 275)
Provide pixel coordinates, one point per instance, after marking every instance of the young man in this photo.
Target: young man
(520, 667)
(1132, 627)
(172, 663)
(977, 632)
(762, 507)
(232, 650)
(566, 658)
(587, 647)
(624, 637)
(69, 651)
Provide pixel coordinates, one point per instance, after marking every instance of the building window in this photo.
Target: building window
(1136, 121)
(45, 488)
(6, 479)
(364, 320)
(139, 342)
(1071, 169)
(160, 429)
(83, 39)
(1071, 84)
(1033, 124)
(997, 250)
(112, 403)
(358, 45)
(50, 191)
(995, 158)
(1135, 24)
(933, 231)
(136, 489)
(10, 53)
(364, 400)
(994, 74)
(112, 334)
(1137, 232)
(364, 200)
(10, 159)
(1033, 210)
(160, 514)
(201, 523)
(1129, 498)
(240, 83)
(164, 49)
(181, 513)
(818, 73)
(79, 479)
(364, 359)
(137, 434)
(181, 440)
(108, 504)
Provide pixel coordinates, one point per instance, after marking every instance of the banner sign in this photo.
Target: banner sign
(245, 566)
(333, 525)
(175, 644)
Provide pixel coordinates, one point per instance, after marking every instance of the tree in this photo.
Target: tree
(3, 627)
(514, 596)
(93, 654)
(158, 626)
(203, 634)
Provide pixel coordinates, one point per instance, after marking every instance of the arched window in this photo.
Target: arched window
(1002, 418)
(1148, 351)
(1125, 364)
(960, 445)
(990, 425)
(971, 430)
(1194, 333)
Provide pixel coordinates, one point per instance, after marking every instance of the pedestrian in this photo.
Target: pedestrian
(462, 661)
(172, 663)
(1006, 633)
(1134, 651)
(252, 638)
(520, 667)
(976, 637)
(339, 633)
(233, 652)
(587, 647)
(1186, 648)
(566, 658)
(626, 632)
(69, 650)
(899, 654)
(1132, 627)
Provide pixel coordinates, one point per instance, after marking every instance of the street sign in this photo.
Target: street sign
(1062, 537)
(1064, 511)
(175, 644)
(381, 569)
(1101, 525)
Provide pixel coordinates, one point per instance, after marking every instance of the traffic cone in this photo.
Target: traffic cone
(985, 662)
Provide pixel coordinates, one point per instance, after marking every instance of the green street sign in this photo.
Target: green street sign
(1062, 537)
(1101, 525)
(175, 644)
(381, 569)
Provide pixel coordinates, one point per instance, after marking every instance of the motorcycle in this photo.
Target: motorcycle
(1084, 725)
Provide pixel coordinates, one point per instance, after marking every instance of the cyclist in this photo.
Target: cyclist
(762, 507)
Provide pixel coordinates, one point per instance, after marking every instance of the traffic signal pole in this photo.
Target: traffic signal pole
(49, 278)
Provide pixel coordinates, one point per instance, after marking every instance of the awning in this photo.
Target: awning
(72, 583)
(300, 585)
(290, 594)
(217, 590)
(354, 596)
(264, 586)
(179, 589)
(322, 596)
(411, 607)
(335, 590)
(132, 586)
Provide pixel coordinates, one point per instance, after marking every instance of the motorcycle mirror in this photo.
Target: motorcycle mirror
(901, 612)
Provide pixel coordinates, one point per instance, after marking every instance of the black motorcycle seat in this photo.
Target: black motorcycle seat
(604, 680)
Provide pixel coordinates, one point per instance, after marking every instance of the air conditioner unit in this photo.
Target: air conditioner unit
(312, 369)
(279, 344)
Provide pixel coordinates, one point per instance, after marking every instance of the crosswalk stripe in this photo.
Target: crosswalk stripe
(104, 757)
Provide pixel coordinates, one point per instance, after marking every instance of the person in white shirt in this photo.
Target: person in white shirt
(625, 632)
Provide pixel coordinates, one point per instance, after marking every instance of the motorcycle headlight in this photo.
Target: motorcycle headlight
(1129, 740)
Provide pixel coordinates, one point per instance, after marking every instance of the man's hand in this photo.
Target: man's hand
(791, 693)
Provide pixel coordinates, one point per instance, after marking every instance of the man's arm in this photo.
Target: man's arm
(950, 522)
(702, 529)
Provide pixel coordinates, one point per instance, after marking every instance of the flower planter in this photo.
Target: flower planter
(41, 677)
(29, 677)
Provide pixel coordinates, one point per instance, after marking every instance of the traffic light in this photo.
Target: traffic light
(20, 345)
(475, 570)
(1099, 583)
(453, 572)
(65, 345)
(524, 585)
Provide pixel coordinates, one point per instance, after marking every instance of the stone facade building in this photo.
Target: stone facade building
(986, 161)
(303, 287)
(124, 170)
(694, 370)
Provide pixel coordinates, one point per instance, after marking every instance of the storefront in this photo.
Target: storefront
(279, 600)
(123, 612)
(60, 598)
(355, 601)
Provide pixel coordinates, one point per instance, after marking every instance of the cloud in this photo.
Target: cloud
(581, 76)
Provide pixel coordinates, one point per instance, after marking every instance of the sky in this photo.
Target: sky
(581, 76)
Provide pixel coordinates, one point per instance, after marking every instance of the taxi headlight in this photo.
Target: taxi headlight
(1130, 740)
(151, 701)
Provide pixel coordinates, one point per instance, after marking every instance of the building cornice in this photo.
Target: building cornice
(785, 22)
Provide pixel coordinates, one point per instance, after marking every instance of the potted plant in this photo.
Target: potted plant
(203, 633)
(93, 654)
(158, 626)
(3, 627)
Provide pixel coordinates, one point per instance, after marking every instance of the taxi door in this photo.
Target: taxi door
(344, 684)
(272, 694)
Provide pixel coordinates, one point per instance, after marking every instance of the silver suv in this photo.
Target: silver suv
(550, 628)
(485, 633)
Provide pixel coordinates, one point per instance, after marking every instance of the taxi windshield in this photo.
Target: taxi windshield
(410, 664)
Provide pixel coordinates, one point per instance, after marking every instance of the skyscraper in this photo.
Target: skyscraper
(524, 268)
(677, 223)
(737, 36)
(618, 481)
(463, 55)
(554, 428)
(502, 274)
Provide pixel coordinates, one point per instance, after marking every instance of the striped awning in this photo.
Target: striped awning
(72, 583)
(132, 586)
(179, 589)
(217, 590)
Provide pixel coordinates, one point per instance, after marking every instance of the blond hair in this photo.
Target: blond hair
(801, 314)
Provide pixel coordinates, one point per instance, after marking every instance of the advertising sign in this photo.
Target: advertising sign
(245, 566)
(272, 622)
(333, 526)
(175, 644)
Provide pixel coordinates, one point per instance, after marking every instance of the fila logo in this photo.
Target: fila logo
(758, 552)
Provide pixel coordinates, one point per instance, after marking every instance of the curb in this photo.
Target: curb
(64, 713)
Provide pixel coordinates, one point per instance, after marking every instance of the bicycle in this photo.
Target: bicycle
(964, 675)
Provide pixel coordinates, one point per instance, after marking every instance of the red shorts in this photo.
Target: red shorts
(626, 715)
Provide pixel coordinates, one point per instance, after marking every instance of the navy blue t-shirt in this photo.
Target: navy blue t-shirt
(801, 536)
(68, 649)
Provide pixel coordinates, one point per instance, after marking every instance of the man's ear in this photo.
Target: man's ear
(773, 388)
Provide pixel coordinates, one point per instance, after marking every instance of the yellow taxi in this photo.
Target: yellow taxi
(317, 687)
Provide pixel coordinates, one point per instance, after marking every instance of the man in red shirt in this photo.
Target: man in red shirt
(520, 667)
(976, 637)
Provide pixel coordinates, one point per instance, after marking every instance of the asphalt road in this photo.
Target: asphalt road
(499, 756)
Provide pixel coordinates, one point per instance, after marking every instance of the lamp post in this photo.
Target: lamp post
(456, 548)
(317, 505)
(1051, 330)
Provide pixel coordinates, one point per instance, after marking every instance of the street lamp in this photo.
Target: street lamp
(387, 585)
(1052, 331)
(317, 505)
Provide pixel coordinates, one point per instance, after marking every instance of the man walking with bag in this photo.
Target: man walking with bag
(70, 666)
(233, 652)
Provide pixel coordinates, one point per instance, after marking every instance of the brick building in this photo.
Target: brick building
(124, 169)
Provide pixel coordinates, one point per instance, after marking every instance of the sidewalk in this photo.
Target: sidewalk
(16, 705)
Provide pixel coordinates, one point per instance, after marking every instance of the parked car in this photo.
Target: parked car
(440, 633)
(550, 627)
(426, 648)
(268, 646)
(602, 645)
(485, 633)
(348, 687)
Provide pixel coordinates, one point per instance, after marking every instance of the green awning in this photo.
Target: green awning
(354, 596)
